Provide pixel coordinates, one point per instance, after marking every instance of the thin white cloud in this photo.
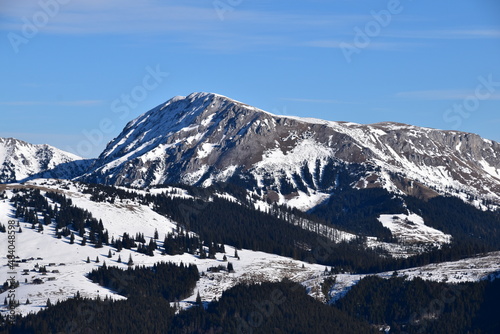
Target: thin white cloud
(373, 45)
(127, 16)
(79, 103)
(435, 95)
(194, 23)
(117, 17)
(325, 101)
(449, 34)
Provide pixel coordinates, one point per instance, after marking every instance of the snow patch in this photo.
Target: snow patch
(411, 229)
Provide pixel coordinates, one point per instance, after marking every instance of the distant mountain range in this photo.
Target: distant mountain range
(234, 198)
(20, 160)
(205, 138)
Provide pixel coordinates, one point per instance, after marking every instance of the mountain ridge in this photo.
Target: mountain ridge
(20, 161)
(206, 138)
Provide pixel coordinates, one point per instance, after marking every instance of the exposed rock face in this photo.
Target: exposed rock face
(206, 138)
(20, 160)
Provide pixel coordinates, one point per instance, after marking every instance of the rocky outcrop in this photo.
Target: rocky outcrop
(20, 161)
(206, 138)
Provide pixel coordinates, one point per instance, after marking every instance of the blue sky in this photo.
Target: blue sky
(75, 72)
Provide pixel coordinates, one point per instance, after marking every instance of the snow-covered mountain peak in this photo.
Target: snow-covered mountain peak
(205, 138)
(20, 160)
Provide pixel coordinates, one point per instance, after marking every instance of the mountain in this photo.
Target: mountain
(205, 138)
(105, 248)
(20, 160)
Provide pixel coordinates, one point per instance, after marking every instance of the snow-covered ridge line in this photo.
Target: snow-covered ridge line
(20, 160)
(67, 263)
(206, 138)
(67, 266)
(474, 269)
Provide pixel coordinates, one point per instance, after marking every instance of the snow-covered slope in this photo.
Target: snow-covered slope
(20, 160)
(412, 229)
(67, 266)
(205, 138)
(482, 267)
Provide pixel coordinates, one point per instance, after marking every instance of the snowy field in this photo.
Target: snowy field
(412, 229)
(67, 266)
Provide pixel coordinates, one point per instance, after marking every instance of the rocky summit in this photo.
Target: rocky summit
(206, 138)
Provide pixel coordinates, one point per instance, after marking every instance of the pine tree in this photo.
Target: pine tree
(119, 259)
(224, 258)
(130, 261)
(97, 259)
(49, 304)
(84, 241)
(88, 259)
(203, 255)
(109, 254)
(156, 235)
(198, 299)
(99, 242)
(230, 267)
(236, 253)
(28, 301)
(72, 238)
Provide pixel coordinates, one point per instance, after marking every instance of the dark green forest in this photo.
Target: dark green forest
(419, 306)
(406, 306)
(218, 221)
(415, 306)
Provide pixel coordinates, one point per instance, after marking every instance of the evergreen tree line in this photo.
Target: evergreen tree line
(357, 211)
(230, 223)
(169, 280)
(67, 217)
(84, 315)
(220, 222)
(224, 222)
(29, 205)
(419, 306)
(282, 307)
(147, 309)
(474, 231)
(79, 220)
(415, 306)
(176, 243)
(70, 219)
(463, 221)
